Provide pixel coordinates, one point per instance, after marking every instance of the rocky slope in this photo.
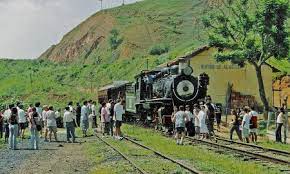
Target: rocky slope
(140, 26)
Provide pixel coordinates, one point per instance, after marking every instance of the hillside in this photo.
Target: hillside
(141, 26)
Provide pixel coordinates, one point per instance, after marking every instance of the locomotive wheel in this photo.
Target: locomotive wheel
(185, 88)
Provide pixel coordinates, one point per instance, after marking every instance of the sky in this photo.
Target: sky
(29, 27)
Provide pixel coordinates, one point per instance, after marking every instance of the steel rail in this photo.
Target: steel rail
(281, 152)
(124, 156)
(242, 152)
(189, 168)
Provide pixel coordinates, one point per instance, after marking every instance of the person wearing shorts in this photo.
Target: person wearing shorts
(51, 123)
(246, 125)
(196, 110)
(179, 118)
(118, 117)
(254, 125)
(22, 121)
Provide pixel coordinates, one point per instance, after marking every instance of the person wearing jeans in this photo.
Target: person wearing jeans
(13, 128)
(34, 138)
(13, 132)
(35, 127)
(69, 120)
(236, 126)
(279, 123)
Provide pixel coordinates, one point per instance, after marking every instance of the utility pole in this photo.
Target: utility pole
(91, 77)
(30, 77)
(101, 4)
(286, 119)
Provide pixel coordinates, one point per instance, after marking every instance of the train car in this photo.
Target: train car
(113, 91)
(155, 93)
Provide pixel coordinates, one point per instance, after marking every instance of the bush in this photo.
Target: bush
(159, 49)
(115, 39)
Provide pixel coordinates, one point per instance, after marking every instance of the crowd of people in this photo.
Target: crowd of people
(43, 121)
(199, 122)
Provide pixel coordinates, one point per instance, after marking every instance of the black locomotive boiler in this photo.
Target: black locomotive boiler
(159, 91)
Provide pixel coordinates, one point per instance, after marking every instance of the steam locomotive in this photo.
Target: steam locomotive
(154, 94)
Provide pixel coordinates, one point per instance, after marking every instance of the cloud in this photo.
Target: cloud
(29, 27)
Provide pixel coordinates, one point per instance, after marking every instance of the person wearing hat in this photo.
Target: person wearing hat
(202, 121)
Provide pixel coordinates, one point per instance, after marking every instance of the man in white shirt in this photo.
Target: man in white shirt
(85, 118)
(51, 123)
(179, 119)
(68, 120)
(118, 117)
(22, 120)
(94, 115)
(7, 114)
(246, 124)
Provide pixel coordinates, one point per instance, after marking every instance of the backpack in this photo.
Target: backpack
(36, 121)
(13, 119)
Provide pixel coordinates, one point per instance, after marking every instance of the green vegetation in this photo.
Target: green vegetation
(282, 65)
(115, 39)
(159, 49)
(272, 144)
(250, 32)
(202, 159)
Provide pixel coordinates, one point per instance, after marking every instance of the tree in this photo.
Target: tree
(115, 39)
(250, 31)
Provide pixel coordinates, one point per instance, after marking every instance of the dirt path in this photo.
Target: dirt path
(57, 158)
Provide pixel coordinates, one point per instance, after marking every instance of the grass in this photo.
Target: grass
(107, 160)
(272, 144)
(202, 159)
(145, 159)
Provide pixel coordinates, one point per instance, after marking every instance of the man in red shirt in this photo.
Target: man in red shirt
(253, 124)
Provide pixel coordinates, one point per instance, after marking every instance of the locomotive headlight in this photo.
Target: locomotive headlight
(185, 88)
(187, 71)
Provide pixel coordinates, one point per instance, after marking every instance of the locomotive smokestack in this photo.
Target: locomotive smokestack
(182, 65)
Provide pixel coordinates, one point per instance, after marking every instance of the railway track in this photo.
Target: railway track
(190, 169)
(265, 149)
(254, 152)
(124, 156)
(246, 150)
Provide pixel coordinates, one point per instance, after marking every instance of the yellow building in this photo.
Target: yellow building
(243, 79)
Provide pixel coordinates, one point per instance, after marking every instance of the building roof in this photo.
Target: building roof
(113, 85)
(186, 56)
